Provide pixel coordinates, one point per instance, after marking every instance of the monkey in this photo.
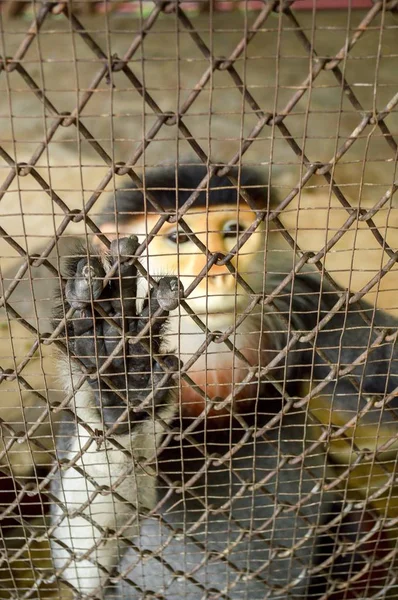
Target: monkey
(219, 301)
(249, 512)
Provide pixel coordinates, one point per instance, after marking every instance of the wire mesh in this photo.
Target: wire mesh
(289, 495)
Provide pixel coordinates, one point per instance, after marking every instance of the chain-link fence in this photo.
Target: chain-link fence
(262, 463)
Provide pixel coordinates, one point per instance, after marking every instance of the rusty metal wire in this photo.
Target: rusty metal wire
(277, 121)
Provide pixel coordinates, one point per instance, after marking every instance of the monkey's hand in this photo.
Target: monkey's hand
(102, 331)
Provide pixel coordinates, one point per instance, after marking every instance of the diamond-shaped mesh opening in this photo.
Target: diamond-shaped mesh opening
(233, 436)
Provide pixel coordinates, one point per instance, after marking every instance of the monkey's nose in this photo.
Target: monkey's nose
(220, 279)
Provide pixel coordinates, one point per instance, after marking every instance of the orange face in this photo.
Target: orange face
(173, 252)
(217, 298)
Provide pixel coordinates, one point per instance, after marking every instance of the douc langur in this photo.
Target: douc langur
(254, 519)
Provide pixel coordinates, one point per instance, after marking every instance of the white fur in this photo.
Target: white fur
(106, 465)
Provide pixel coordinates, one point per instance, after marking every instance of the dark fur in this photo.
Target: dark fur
(342, 341)
(162, 183)
(91, 338)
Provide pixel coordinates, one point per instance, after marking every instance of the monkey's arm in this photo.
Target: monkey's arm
(350, 344)
(351, 370)
(103, 487)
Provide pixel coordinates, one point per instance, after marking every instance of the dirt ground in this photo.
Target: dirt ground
(170, 65)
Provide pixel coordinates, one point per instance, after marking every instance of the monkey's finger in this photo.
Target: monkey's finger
(86, 285)
(124, 248)
(167, 297)
(170, 291)
(80, 290)
(161, 379)
(124, 285)
(91, 339)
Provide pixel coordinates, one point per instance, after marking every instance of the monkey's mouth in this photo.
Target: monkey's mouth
(218, 305)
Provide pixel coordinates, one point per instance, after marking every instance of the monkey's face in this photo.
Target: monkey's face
(218, 228)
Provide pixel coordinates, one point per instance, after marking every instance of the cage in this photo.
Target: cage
(198, 315)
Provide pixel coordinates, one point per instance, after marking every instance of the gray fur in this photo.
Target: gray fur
(257, 544)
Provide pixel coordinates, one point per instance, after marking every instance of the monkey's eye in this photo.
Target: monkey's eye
(232, 229)
(178, 236)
